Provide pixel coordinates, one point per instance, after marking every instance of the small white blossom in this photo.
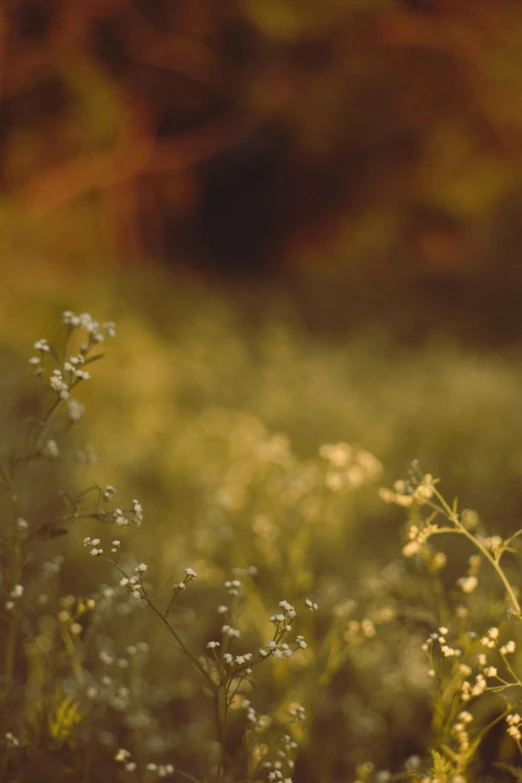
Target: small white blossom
(11, 740)
(76, 409)
(58, 385)
(298, 712)
(411, 548)
(227, 630)
(137, 510)
(119, 518)
(468, 583)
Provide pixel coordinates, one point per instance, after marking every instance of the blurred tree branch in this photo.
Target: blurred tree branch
(365, 115)
(167, 50)
(467, 48)
(70, 30)
(135, 154)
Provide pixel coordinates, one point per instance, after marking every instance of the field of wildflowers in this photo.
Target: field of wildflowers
(212, 570)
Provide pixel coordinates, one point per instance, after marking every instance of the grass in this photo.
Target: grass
(257, 453)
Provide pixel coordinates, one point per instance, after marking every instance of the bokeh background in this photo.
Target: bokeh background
(305, 217)
(371, 148)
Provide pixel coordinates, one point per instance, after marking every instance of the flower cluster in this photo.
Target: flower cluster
(85, 321)
(469, 583)
(162, 770)
(97, 669)
(281, 766)
(239, 660)
(514, 722)
(445, 649)
(123, 756)
(348, 468)
(134, 516)
(11, 740)
(68, 372)
(15, 594)
(134, 582)
(477, 666)
(405, 493)
(417, 537)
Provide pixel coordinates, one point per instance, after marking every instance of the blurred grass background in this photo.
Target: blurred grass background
(214, 417)
(305, 220)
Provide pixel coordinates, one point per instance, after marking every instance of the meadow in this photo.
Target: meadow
(226, 555)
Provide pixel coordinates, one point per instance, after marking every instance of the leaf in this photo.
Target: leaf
(517, 773)
(62, 719)
(50, 530)
(69, 499)
(93, 359)
(442, 768)
(55, 356)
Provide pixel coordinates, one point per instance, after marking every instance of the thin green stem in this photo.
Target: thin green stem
(186, 775)
(482, 549)
(171, 630)
(220, 727)
(180, 642)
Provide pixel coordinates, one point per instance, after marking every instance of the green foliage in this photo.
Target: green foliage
(517, 773)
(64, 715)
(257, 452)
(441, 769)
